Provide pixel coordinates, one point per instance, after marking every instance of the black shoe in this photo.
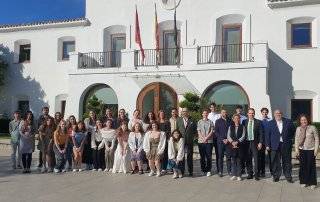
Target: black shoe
(140, 172)
(249, 177)
(275, 179)
(256, 178)
(220, 175)
(290, 180)
(132, 172)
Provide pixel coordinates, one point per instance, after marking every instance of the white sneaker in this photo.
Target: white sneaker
(106, 170)
(233, 178)
(151, 173)
(63, 171)
(239, 178)
(43, 169)
(99, 169)
(303, 185)
(74, 170)
(94, 169)
(175, 176)
(208, 174)
(158, 174)
(80, 170)
(56, 170)
(313, 187)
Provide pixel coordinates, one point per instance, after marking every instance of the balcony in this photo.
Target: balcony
(288, 3)
(231, 53)
(169, 56)
(107, 59)
(243, 55)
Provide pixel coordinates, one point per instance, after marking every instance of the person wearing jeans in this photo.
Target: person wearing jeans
(205, 130)
(15, 140)
(60, 146)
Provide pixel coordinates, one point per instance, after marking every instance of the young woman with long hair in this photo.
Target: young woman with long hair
(121, 155)
(136, 146)
(78, 138)
(60, 146)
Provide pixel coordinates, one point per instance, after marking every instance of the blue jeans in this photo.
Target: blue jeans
(223, 151)
(69, 154)
(15, 147)
(173, 165)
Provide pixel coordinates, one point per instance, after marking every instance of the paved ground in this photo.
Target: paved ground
(99, 186)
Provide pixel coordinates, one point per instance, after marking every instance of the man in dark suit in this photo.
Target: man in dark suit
(279, 141)
(221, 130)
(188, 129)
(253, 143)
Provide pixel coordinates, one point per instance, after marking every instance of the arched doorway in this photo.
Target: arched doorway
(155, 97)
(98, 98)
(227, 95)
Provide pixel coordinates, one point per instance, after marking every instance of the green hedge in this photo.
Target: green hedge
(4, 125)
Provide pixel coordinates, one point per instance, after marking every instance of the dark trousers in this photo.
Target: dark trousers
(252, 153)
(40, 159)
(164, 163)
(26, 160)
(281, 161)
(216, 152)
(307, 171)
(205, 150)
(60, 159)
(222, 151)
(189, 151)
(98, 158)
(262, 161)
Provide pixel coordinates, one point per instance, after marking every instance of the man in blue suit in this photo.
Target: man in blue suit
(279, 141)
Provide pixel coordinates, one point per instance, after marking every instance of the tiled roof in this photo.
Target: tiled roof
(45, 24)
(289, 3)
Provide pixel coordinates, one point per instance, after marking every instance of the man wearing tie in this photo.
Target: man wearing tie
(279, 141)
(188, 129)
(254, 141)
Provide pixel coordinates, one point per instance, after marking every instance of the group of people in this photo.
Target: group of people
(159, 145)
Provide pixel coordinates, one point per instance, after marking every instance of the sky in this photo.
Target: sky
(28, 11)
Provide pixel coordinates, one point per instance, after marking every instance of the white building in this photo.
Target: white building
(249, 52)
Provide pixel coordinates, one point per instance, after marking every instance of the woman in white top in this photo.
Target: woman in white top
(98, 153)
(135, 119)
(121, 156)
(154, 144)
(135, 142)
(176, 154)
(108, 141)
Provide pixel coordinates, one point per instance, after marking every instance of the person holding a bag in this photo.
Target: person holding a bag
(306, 148)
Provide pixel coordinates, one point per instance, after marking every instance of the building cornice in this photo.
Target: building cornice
(289, 3)
(45, 25)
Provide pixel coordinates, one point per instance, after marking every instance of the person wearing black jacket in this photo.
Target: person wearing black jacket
(254, 142)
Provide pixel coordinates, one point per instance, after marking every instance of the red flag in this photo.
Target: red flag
(138, 36)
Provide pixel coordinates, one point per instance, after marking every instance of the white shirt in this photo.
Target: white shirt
(280, 127)
(214, 117)
(185, 121)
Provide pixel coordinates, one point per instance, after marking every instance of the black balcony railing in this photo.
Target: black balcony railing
(168, 56)
(99, 59)
(225, 53)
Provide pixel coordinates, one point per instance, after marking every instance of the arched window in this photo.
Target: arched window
(100, 97)
(228, 95)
